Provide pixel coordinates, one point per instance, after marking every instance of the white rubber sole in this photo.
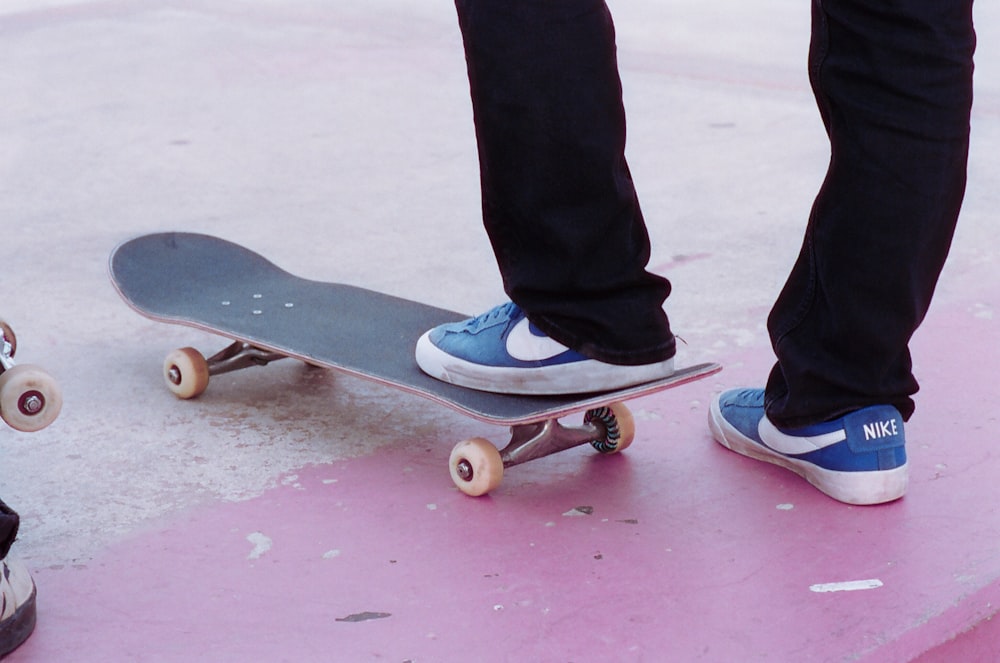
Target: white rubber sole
(861, 488)
(575, 378)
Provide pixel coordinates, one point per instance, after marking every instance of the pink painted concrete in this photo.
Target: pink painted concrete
(690, 553)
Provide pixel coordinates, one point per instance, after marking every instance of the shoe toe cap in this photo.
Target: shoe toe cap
(742, 410)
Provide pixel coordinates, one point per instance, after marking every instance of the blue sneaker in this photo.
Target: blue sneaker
(859, 458)
(502, 352)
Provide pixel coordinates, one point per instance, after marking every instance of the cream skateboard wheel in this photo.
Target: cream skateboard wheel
(186, 373)
(619, 424)
(30, 399)
(476, 466)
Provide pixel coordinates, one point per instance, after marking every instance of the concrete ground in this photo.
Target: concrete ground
(294, 515)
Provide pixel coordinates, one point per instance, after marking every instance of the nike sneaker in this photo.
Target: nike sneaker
(859, 458)
(501, 351)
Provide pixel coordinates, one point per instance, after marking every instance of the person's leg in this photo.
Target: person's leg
(558, 200)
(560, 209)
(894, 86)
(893, 82)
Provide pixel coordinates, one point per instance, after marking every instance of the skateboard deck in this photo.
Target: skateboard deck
(268, 313)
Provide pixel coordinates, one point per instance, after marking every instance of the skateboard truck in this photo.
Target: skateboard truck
(477, 466)
(187, 371)
(7, 348)
(238, 356)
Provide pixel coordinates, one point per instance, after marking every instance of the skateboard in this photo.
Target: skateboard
(268, 314)
(30, 399)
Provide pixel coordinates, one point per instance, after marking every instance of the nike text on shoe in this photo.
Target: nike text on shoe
(859, 458)
(502, 352)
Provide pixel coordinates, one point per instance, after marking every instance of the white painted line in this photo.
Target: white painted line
(849, 586)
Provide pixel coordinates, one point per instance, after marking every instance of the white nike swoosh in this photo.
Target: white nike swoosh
(793, 445)
(525, 346)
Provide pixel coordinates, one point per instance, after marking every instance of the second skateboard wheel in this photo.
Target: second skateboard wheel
(30, 399)
(476, 466)
(186, 373)
(619, 425)
(9, 336)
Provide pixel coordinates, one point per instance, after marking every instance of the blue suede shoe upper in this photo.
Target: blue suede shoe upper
(869, 439)
(484, 340)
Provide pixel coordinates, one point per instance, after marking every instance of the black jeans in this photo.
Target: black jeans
(558, 200)
(9, 523)
(893, 80)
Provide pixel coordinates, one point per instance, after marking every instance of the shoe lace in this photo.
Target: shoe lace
(489, 318)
